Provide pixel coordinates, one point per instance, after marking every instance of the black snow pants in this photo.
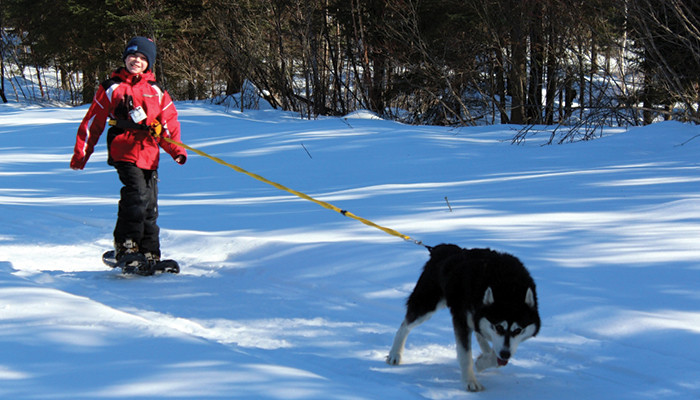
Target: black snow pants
(138, 208)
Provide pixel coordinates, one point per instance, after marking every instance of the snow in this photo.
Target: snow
(282, 299)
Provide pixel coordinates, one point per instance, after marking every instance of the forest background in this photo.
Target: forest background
(584, 63)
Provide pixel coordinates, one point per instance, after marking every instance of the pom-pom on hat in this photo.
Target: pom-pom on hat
(142, 45)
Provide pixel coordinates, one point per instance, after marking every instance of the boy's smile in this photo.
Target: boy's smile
(136, 63)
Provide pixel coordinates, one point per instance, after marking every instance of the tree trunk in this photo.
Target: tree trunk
(501, 86)
(534, 100)
(2, 73)
(518, 76)
(551, 68)
(89, 79)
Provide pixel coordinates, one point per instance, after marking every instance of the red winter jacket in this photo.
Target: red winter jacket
(114, 99)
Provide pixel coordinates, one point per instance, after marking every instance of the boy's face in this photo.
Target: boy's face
(136, 63)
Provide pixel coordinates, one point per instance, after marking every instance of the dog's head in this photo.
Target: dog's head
(507, 324)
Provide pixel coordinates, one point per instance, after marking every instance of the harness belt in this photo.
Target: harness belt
(155, 128)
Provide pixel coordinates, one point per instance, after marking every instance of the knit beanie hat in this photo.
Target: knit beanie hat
(142, 45)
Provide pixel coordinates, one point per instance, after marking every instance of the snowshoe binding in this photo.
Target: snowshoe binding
(137, 263)
(158, 265)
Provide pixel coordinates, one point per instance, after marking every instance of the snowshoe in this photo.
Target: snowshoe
(169, 266)
(109, 258)
(158, 265)
(132, 263)
(137, 263)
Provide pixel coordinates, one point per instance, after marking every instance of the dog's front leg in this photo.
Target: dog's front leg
(411, 321)
(394, 357)
(464, 351)
(487, 359)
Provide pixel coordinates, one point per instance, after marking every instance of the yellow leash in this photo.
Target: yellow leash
(292, 191)
(156, 128)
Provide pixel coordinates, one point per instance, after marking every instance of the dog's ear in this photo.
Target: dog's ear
(530, 298)
(488, 297)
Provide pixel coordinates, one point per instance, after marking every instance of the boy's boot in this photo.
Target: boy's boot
(124, 248)
(156, 264)
(130, 260)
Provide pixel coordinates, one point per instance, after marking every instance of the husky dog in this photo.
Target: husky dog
(487, 292)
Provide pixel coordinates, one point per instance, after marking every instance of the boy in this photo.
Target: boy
(130, 97)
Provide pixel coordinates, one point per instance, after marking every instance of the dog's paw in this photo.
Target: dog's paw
(485, 361)
(474, 386)
(393, 359)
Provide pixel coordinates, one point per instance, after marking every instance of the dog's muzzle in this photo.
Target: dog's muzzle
(503, 357)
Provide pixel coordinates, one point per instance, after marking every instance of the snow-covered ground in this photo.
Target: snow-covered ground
(282, 299)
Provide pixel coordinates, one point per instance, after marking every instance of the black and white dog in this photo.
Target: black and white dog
(487, 292)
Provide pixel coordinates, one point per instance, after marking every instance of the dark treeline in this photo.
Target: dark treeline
(613, 62)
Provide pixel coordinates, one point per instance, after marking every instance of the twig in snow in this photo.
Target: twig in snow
(307, 151)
